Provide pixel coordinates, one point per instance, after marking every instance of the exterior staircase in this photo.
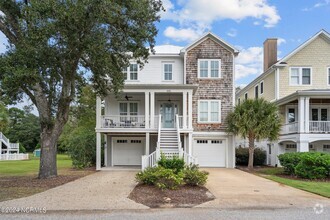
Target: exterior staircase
(168, 144)
(10, 151)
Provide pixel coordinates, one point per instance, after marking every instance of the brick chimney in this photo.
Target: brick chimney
(270, 52)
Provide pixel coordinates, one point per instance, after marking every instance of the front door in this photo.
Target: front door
(168, 115)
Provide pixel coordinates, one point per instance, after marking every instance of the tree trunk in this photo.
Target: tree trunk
(251, 152)
(48, 164)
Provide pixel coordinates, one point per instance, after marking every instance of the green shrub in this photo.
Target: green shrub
(148, 176)
(289, 161)
(176, 164)
(193, 176)
(313, 165)
(161, 177)
(242, 156)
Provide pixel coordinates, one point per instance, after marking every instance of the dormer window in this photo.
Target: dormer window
(131, 72)
(209, 68)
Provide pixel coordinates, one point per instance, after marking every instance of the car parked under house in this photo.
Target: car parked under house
(176, 104)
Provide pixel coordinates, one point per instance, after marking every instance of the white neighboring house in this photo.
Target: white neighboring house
(176, 104)
(299, 84)
(10, 151)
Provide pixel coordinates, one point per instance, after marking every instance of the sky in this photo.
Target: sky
(245, 24)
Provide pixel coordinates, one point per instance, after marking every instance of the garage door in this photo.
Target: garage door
(127, 151)
(210, 153)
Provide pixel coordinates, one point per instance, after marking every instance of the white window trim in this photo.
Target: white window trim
(209, 111)
(263, 87)
(295, 107)
(163, 68)
(300, 75)
(328, 74)
(129, 73)
(208, 69)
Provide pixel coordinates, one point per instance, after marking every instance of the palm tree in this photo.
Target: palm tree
(254, 119)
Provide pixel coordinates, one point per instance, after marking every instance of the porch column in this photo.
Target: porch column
(146, 109)
(105, 150)
(98, 151)
(184, 109)
(302, 146)
(301, 114)
(307, 114)
(152, 109)
(98, 112)
(190, 143)
(190, 104)
(147, 144)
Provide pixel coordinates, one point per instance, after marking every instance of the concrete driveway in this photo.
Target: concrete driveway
(237, 189)
(100, 191)
(108, 190)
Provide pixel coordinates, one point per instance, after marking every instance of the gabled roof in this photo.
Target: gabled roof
(213, 37)
(167, 49)
(322, 33)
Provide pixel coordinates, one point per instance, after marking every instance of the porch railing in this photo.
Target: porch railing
(290, 128)
(123, 121)
(319, 126)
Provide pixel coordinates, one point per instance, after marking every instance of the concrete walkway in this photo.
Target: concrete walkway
(237, 189)
(100, 191)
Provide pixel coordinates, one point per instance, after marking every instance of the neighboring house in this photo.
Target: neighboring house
(10, 151)
(176, 104)
(299, 84)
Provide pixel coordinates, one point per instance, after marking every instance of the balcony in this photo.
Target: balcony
(135, 122)
(313, 127)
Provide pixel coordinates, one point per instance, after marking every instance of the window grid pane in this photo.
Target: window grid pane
(214, 111)
(133, 71)
(124, 71)
(295, 76)
(203, 111)
(203, 68)
(168, 71)
(214, 68)
(306, 76)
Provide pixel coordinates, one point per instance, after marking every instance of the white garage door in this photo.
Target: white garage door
(127, 151)
(210, 153)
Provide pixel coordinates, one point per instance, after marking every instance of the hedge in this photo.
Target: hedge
(242, 156)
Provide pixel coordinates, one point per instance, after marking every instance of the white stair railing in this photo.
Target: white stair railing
(159, 128)
(178, 132)
(150, 160)
(188, 158)
(4, 138)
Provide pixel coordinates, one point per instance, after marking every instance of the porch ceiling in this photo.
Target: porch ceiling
(161, 87)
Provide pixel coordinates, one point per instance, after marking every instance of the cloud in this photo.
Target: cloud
(183, 34)
(280, 41)
(200, 14)
(317, 5)
(232, 32)
(249, 62)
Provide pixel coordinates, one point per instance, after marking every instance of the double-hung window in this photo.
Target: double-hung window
(131, 72)
(300, 76)
(168, 71)
(209, 111)
(209, 68)
(128, 111)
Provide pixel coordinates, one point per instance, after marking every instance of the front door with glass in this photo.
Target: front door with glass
(168, 111)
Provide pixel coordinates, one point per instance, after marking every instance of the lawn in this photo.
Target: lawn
(31, 166)
(318, 187)
(19, 178)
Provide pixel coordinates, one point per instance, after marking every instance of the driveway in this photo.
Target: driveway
(108, 190)
(237, 189)
(100, 191)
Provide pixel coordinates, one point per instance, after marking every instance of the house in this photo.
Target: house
(10, 151)
(299, 84)
(176, 104)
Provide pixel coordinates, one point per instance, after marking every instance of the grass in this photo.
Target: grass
(317, 187)
(31, 166)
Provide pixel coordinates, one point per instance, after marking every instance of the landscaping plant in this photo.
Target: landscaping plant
(242, 156)
(193, 176)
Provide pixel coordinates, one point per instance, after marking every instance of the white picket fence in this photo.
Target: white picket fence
(14, 156)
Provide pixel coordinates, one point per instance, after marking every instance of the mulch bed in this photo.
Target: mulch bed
(183, 197)
(13, 187)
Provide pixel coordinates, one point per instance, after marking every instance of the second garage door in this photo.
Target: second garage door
(127, 151)
(210, 153)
